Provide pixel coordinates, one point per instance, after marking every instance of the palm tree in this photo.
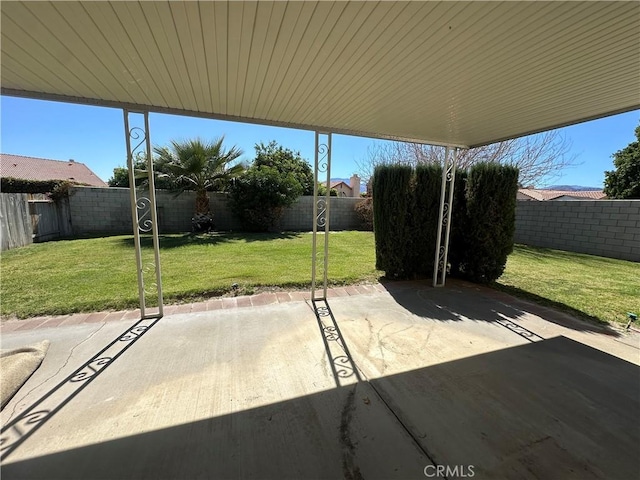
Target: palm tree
(201, 166)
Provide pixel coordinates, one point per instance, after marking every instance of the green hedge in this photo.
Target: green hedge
(259, 196)
(391, 214)
(55, 189)
(489, 223)
(19, 185)
(406, 206)
(426, 203)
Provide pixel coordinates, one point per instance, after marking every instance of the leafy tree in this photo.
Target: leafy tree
(120, 176)
(200, 166)
(276, 178)
(322, 191)
(285, 161)
(624, 181)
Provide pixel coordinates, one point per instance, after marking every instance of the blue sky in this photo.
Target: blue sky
(95, 137)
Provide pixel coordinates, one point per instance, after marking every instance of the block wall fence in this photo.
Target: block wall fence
(608, 228)
(96, 210)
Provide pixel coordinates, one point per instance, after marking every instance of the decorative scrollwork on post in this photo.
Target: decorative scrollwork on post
(321, 214)
(145, 224)
(322, 163)
(321, 218)
(143, 211)
(150, 285)
(450, 172)
(444, 222)
(137, 133)
(441, 258)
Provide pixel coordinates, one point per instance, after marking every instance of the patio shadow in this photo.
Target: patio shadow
(550, 409)
(461, 299)
(168, 241)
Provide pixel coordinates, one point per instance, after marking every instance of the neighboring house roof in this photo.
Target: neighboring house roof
(338, 182)
(31, 168)
(545, 195)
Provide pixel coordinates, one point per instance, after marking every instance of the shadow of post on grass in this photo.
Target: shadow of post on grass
(461, 300)
(177, 240)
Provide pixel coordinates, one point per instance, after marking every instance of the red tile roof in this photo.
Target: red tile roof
(544, 195)
(30, 168)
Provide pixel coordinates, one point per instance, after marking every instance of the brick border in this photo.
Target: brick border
(220, 303)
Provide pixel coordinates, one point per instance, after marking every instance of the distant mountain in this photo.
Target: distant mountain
(572, 188)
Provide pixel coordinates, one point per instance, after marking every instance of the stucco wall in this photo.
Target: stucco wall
(108, 210)
(609, 228)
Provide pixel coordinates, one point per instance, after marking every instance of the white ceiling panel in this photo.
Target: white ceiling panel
(459, 73)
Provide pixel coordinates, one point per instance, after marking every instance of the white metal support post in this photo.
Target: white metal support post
(320, 256)
(444, 218)
(144, 214)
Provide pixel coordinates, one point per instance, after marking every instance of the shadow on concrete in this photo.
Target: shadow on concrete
(338, 355)
(463, 300)
(20, 428)
(554, 409)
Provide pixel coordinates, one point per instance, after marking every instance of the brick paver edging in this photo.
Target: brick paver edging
(222, 303)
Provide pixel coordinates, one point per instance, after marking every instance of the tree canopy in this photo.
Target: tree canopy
(200, 166)
(286, 162)
(275, 179)
(624, 181)
(120, 177)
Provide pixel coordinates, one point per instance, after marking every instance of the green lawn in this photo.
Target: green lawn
(598, 288)
(97, 274)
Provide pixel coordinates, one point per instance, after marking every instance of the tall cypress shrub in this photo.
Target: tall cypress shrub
(489, 222)
(458, 236)
(391, 214)
(424, 217)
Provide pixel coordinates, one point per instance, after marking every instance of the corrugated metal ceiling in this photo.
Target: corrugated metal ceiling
(460, 73)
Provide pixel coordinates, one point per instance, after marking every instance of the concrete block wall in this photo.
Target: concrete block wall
(608, 228)
(96, 210)
(100, 210)
(342, 215)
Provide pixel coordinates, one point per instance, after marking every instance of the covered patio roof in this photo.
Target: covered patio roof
(455, 73)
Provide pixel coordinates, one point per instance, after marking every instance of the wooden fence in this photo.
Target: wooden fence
(27, 218)
(15, 222)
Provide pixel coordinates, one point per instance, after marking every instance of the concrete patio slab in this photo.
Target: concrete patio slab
(375, 385)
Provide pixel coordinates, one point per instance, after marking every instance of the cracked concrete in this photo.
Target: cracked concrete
(39, 382)
(248, 392)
